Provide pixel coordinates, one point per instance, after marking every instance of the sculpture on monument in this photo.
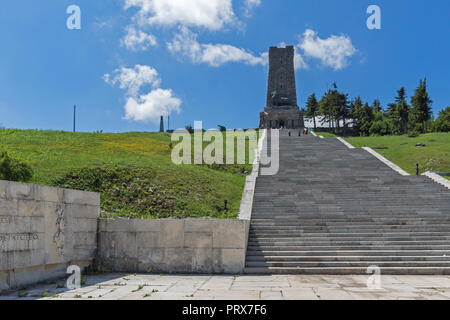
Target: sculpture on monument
(278, 100)
(281, 107)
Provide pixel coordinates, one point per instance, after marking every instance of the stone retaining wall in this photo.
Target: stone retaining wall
(43, 230)
(173, 246)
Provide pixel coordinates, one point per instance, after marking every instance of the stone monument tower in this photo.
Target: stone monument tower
(161, 124)
(281, 109)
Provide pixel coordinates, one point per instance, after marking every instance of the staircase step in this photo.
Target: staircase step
(351, 264)
(349, 270)
(350, 253)
(280, 258)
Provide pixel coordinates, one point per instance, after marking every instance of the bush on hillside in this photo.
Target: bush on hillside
(13, 169)
(414, 133)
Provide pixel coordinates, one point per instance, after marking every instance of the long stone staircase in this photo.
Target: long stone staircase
(334, 210)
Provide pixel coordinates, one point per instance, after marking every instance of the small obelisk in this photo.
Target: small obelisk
(161, 125)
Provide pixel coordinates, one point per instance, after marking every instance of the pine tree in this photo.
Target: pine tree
(312, 109)
(376, 105)
(402, 109)
(336, 105)
(367, 117)
(356, 113)
(398, 113)
(421, 104)
(325, 109)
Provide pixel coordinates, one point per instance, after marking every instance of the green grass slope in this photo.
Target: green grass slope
(133, 171)
(402, 150)
(324, 134)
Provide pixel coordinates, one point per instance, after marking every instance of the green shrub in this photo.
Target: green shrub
(415, 130)
(14, 170)
(414, 133)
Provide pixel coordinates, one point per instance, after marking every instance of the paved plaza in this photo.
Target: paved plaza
(243, 287)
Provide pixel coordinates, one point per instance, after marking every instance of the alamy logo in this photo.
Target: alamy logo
(74, 20)
(239, 147)
(374, 21)
(374, 280)
(74, 281)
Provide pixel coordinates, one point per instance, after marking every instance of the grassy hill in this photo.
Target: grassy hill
(403, 152)
(133, 171)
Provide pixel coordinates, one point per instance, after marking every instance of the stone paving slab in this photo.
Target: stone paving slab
(239, 287)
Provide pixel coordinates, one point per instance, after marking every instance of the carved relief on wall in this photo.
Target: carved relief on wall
(58, 237)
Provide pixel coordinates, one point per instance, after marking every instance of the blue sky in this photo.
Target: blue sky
(205, 59)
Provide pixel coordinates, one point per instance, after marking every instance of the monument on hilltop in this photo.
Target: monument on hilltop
(281, 109)
(161, 124)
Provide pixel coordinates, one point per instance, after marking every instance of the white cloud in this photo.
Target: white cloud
(250, 5)
(332, 52)
(133, 79)
(143, 107)
(299, 62)
(138, 40)
(151, 106)
(103, 24)
(186, 43)
(209, 14)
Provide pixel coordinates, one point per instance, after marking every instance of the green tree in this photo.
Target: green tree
(442, 123)
(379, 126)
(312, 109)
(376, 105)
(366, 119)
(398, 113)
(402, 109)
(421, 104)
(393, 119)
(334, 107)
(325, 109)
(356, 114)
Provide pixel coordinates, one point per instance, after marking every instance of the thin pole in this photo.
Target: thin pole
(168, 122)
(74, 116)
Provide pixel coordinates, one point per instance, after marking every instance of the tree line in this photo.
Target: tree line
(356, 117)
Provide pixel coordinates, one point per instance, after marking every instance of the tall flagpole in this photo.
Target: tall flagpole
(74, 116)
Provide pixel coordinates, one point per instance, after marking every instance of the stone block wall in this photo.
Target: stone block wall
(173, 246)
(43, 230)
